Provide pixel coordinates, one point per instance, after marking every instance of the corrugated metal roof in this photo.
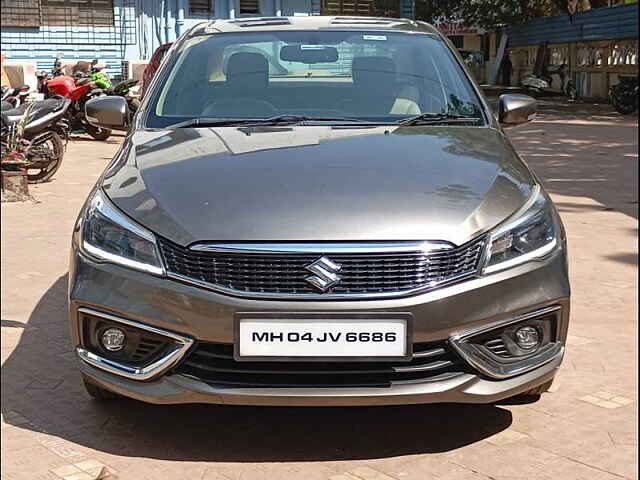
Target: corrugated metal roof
(600, 24)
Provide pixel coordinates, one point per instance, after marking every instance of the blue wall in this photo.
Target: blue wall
(600, 24)
(42, 44)
(139, 27)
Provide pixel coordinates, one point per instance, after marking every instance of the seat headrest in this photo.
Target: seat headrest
(247, 70)
(381, 70)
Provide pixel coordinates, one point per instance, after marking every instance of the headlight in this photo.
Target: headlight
(110, 236)
(531, 234)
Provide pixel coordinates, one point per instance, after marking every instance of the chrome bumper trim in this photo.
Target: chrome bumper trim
(490, 366)
(170, 358)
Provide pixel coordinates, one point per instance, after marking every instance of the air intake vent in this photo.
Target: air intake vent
(363, 21)
(261, 21)
(213, 363)
(497, 347)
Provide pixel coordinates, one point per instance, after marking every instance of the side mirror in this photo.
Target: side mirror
(111, 112)
(516, 109)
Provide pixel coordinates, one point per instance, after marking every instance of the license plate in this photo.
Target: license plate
(323, 337)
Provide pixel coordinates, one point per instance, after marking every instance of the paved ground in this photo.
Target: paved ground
(584, 429)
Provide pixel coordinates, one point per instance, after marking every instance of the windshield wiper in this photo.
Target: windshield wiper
(438, 119)
(275, 120)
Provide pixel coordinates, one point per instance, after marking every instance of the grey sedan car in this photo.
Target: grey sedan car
(317, 211)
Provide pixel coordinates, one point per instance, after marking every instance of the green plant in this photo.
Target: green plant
(14, 156)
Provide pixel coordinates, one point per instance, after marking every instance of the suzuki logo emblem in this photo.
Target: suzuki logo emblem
(324, 274)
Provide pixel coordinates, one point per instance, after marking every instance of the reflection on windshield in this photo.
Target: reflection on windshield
(365, 76)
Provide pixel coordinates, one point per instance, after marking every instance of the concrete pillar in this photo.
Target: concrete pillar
(167, 29)
(180, 17)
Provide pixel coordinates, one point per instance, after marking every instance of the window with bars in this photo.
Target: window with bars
(348, 7)
(249, 7)
(36, 13)
(201, 8)
(20, 13)
(98, 13)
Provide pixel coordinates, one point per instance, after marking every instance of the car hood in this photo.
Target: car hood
(316, 183)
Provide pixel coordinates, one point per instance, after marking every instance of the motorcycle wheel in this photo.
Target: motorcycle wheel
(622, 105)
(98, 133)
(41, 171)
(532, 92)
(134, 103)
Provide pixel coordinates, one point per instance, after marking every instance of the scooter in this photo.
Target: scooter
(538, 86)
(43, 136)
(624, 95)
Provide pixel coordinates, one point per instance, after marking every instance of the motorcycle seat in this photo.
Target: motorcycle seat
(9, 110)
(37, 110)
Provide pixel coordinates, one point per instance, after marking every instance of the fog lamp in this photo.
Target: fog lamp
(113, 339)
(527, 337)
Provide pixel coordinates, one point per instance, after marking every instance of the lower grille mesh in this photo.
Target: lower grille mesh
(213, 363)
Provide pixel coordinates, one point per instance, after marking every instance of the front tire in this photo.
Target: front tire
(98, 133)
(99, 393)
(537, 391)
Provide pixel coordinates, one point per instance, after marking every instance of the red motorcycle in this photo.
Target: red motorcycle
(57, 84)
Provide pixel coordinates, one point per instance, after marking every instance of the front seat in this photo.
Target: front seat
(246, 87)
(376, 91)
(248, 73)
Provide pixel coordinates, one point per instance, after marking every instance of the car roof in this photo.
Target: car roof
(313, 23)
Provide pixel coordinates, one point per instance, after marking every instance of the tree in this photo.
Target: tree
(488, 14)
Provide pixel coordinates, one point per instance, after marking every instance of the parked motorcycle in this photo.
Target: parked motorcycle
(541, 85)
(57, 84)
(15, 95)
(624, 95)
(44, 136)
(122, 89)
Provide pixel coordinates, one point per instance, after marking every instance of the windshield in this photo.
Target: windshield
(360, 76)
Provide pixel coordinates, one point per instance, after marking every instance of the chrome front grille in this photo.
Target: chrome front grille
(361, 272)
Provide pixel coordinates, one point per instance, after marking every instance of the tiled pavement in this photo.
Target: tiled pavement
(586, 428)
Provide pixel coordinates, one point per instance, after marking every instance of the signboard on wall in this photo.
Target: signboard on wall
(458, 28)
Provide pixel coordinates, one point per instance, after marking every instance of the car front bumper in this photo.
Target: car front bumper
(206, 316)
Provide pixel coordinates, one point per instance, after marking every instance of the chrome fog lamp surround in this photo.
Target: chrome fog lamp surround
(181, 345)
(492, 366)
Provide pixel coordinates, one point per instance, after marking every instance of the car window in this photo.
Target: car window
(360, 75)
